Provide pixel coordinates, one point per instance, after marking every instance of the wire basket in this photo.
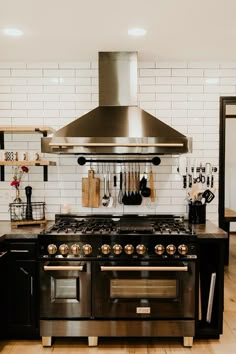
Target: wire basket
(23, 211)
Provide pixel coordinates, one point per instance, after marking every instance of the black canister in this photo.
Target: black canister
(197, 213)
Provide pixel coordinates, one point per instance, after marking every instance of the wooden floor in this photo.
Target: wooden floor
(226, 344)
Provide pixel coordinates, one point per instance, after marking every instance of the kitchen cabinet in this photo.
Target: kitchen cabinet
(24, 129)
(22, 290)
(3, 291)
(211, 288)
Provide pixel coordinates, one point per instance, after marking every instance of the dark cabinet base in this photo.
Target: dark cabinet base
(211, 288)
(22, 291)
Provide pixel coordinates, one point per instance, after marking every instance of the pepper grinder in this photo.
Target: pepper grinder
(28, 212)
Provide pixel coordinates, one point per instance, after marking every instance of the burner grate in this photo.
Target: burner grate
(124, 225)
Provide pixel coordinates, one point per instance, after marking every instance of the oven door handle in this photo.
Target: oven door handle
(147, 268)
(80, 268)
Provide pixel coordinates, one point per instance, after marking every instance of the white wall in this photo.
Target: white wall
(184, 95)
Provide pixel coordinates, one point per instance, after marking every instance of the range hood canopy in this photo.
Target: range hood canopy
(118, 125)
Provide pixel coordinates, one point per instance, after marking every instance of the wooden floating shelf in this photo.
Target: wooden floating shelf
(25, 129)
(44, 130)
(15, 224)
(28, 163)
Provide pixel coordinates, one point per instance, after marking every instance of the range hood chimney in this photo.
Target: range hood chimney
(117, 125)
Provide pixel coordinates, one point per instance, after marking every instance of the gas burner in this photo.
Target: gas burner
(107, 226)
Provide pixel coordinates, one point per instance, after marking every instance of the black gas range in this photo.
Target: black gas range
(126, 236)
(99, 272)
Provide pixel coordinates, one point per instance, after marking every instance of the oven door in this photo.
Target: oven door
(163, 290)
(65, 290)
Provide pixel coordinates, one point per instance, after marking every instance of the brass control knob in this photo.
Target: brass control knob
(141, 249)
(129, 249)
(52, 249)
(159, 249)
(183, 249)
(87, 249)
(171, 249)
(63, 249)
(75, 249)
(117, 249)
(106, 249)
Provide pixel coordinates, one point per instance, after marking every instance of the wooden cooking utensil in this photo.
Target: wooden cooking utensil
(151, 181)
(91, 191)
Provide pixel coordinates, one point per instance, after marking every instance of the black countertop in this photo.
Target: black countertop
(207, 230)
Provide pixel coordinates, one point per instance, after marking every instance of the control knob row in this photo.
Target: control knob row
(117, 249)
(141, 249)
(171, 249)
(64, 249)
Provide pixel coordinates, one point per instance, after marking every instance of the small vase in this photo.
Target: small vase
(17, 198)
(18, 206)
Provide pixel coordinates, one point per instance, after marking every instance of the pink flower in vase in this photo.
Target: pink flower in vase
(19, 171)
(17, 176)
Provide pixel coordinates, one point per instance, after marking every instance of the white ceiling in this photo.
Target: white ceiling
(75, 30)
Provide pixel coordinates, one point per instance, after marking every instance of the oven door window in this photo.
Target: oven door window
(65, 289)
(144, 288)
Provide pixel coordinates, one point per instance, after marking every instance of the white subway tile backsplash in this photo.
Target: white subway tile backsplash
(146, 81)
(59, 89)
(176, 122)
(86, 73)
(184, 95)
(227, 72)
(86, 89)
(27, 105)
(43, 97)
(171, 64)
(53, 113)
(13, 97)
(170, 80)
(147, 64)
(155, 72)
(5, 105)
(5, 89)
(162, 113)
(42, 65)
(26, 73)
(187, 72)
(146, 97)
(74, 65)
(5, 73)
(13, 81)
(203, 65)
(58, 73)
(12, 65)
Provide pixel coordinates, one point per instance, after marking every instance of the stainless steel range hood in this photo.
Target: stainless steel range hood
(118, 125)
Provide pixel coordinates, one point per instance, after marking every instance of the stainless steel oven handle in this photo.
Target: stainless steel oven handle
(148, 268)
(80, 268)
(19, 251)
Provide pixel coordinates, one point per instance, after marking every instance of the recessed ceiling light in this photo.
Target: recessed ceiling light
(14, 32)
(137, 32)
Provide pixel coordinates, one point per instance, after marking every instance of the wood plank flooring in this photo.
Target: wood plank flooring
(226, 343)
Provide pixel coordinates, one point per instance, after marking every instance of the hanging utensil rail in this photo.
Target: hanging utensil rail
(82, 160)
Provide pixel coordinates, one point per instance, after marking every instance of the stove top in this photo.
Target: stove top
(87, 225)
(126, 237)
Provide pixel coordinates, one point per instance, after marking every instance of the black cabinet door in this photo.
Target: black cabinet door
(211, 290)
(3, 293)
(22, 299)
